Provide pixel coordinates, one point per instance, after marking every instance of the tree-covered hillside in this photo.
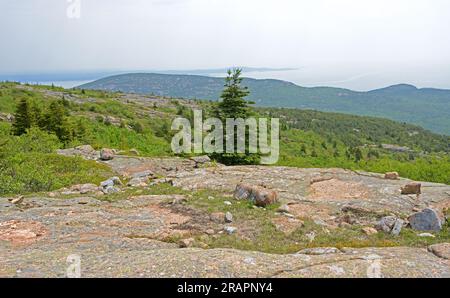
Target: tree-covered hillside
(61, 118)
(429, 108)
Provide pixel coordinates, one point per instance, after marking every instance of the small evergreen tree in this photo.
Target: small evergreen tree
(233, 105)
(358, 154)
(55, 121)
(22, 119)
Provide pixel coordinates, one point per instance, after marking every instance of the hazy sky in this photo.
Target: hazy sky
(358, 44)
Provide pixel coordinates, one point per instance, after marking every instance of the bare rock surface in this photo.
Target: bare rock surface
(131, 237)
(332, 188)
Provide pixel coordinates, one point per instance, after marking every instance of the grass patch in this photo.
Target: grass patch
(257, 232)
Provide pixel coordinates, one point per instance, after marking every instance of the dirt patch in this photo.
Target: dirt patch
(22, 232)
(287, 225)
(304, 210)
(335, 189)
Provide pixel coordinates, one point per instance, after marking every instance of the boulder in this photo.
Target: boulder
(111, 182)
(261, 196)
(427, 220)
(242, 191)
(412, 188)
(106, 154)
(390, 224)
(441, 250)
(189, 242)
(397, 228)
(108, 186)
(391, 176)
(201, 159)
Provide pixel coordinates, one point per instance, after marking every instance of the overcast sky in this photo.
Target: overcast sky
(360, 44)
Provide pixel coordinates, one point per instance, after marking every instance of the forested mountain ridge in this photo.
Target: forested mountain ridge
(427, 107)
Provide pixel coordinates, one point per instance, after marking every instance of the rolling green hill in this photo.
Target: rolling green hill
(429, 108)
(28, 162)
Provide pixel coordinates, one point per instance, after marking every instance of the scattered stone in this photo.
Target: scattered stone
(17, 200)
(217, 217)
(261, 196)
(369, 231)
(111, 182)
(230, 230)
(210, 198)
(199, 160)
(391, 176)
(228, 217)
(188, 242)
(106, 154)
(390, 224)
(110, 190)
(138, 182)
(210, 232)
(6, 117)
(427, 220)
(426, 235)
(412, 188)
(107, 183)
(283, 209)
(398, 225)
(349, 219)
(441, 250)
(386, 224)
(242, 191)
(227, 203)
(84, 188)
(319, 251)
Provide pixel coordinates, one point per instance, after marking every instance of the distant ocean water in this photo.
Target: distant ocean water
(64, 84)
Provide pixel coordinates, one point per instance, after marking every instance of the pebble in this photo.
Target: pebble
(228, 217)
(230, 230)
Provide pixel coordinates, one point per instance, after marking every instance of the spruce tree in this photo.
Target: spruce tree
(233, 105)
(22, 119)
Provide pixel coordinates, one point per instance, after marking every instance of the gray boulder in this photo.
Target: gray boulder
(106, 154)
(390, 224)
(427, 220)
